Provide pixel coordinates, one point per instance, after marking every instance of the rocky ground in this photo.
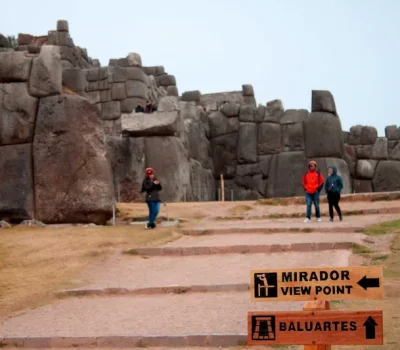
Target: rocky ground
(191, 290)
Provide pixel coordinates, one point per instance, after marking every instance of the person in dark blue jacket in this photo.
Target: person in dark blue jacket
(333, 186)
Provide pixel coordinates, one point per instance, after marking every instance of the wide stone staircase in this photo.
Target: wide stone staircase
(190, 292)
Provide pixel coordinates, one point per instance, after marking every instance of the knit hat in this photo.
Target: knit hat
(149, 171)
(312, 162)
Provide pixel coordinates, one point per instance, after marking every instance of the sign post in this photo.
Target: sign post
(316, 327)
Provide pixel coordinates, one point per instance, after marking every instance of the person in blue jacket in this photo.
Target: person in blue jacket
(333, 186)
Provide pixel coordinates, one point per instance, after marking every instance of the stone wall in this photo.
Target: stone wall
(68, 133)
(374, 162)
(53, 162)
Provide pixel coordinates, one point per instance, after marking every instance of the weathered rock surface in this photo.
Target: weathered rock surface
(166, 80)
(293, 116)
(46, 75)
(392, 133)
(247, 113)
(350, 157)
(202, 182)
(70, 156)
(74, 79)
(168, 104)
(285, 174)
(134, 59)
(354, 137)
(230, 109)
(14, 66)
(366, 168)
(221, 125)
(191, 96)
(269, 138)
(248, 90)
(174, 179)
(155, 124)
(394, 150)
(16, 185)
(387, 175)
(323, 136)
(362, 186)
(274, 111)
(127, 157)
(110, 110)
(265, 165)
(224, 150)
(4, 41)
(17, 114)
(369, 135)
(322, 101)
(136, 88)
(260, 113)
(292, 137)
(247, 143)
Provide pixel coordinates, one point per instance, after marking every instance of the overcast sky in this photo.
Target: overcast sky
(285, 48)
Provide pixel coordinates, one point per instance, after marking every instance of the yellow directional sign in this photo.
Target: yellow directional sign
(337, 283)
(315, 328)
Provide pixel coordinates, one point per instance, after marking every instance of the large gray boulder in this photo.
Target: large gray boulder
(323, 136)
(202, 183)
(260, 113)
(127, 157)
(74, 79)
(166, 80)
(16, 185)
(224, 155)
(191, 96)
(392, 133)
(322, 101)
(168, 157)
(230, 109)
(17, 114)
(265, 165)
(387, 175)
(292, 130)
(168, 104)
(342, 169)
(46, 76)
(73, 179)
(350, 156)
(111, 110)
(247, 113)
(394, 150)
(379, 150)
(197, 143)
(362, 186)
(369, 135)
(247, 143)
(366, 168)
(134, 59)
(14, 66)
(4, 41)
(221, 125)
(155, 124)
(286, 171)
(269, 138)
(274, 111)
(354, 137)
(136, 88)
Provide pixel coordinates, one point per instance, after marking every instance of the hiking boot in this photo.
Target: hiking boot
(307, 220)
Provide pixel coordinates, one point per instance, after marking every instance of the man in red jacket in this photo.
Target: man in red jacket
(313, 182)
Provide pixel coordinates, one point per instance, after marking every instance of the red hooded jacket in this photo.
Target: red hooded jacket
(313, 180)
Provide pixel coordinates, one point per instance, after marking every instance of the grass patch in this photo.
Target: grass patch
(359, 249)
(383, 228)
(37, 262)
(275, 201)
(239, 209)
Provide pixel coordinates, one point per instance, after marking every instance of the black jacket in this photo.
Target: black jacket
(152, 190)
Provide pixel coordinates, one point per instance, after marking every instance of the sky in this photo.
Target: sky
(284, 48)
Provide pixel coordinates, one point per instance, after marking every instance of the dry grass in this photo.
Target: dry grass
(240, 209)
(36, 262)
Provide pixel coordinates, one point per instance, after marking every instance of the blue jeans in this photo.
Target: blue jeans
(310, 198)
(154, 209)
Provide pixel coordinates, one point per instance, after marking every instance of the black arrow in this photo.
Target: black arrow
(368, 282)
(370, 325)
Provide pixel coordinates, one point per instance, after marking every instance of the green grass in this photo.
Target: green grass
(359, 249)
(383, 228)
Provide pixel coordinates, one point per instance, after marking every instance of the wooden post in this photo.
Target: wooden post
(222, 189)
(317, 305)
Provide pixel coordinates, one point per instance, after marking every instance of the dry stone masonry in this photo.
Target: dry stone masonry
(69, 136)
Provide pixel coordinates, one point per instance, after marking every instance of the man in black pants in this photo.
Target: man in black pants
(333, 186)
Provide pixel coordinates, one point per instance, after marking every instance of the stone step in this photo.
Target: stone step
(214, 319)
(203, 273)
(349, 224)
(253, 243)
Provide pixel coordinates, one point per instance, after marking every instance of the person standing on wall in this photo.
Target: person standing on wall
(152, 187)
(313, 182)
(333, 186)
